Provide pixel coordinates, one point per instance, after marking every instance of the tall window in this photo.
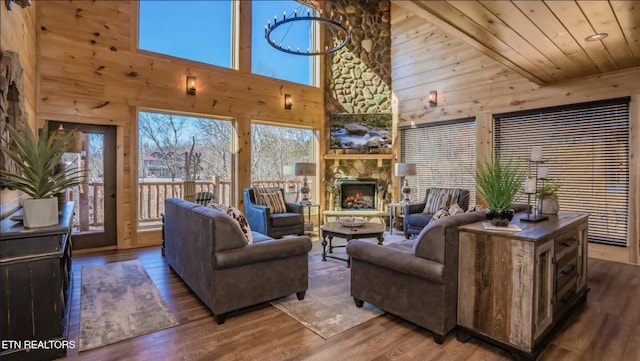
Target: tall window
(586, 148)
(267, 61)
(165, 141)
(445, 156)
(274, 152)
(194, 30)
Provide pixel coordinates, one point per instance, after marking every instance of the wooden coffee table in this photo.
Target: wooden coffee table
(335, 229)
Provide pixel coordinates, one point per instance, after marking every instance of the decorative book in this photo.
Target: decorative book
(509, 228)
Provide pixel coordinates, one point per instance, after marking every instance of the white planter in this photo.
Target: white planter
(40, 212)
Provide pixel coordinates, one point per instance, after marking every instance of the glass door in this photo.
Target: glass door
(94, 223)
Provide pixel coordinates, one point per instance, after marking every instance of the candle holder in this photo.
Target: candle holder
(534, 179)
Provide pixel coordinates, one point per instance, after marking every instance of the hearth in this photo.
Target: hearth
(356, 194)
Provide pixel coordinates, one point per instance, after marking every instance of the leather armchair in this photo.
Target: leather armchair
(207, 249)
(273, 225)
(414, 220)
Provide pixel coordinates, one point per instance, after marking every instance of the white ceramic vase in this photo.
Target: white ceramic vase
(40, 212)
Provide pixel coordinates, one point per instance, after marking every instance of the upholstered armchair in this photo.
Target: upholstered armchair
(416, 216)
(415, 279)
(261, 219)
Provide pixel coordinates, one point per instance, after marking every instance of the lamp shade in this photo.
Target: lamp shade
(305, 169)
(405, 169)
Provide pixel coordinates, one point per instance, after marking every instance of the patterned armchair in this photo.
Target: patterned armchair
(418, 215)
(263, 219)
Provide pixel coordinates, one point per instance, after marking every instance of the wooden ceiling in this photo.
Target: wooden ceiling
(544, 41)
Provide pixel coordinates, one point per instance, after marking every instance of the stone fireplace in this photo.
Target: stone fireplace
(358, 194)
(370, 177)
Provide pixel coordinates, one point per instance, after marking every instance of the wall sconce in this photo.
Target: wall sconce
(433, 98)
(191, 85)
(287, 101)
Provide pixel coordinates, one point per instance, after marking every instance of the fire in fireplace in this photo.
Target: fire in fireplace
(358, 195)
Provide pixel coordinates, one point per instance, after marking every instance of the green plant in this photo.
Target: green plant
(35, 159)
(549, 188)
(498, 182)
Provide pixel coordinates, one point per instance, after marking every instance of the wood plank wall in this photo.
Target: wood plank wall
(90, 71)
(19, 35)
(471, 84)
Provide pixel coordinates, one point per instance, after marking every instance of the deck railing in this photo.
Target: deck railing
(89, 213)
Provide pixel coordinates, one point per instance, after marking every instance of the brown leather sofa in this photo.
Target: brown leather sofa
(415, 279)
(207, 249)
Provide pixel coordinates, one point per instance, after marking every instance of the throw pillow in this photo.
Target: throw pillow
(258, 193)
(455, 209)
(237, 216)
(218, 206)
(440, 198)
(439, 214)
(475, 208)
(275, 202)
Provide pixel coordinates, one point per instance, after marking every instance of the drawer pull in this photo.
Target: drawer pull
(568, 243)
(568, 296)
(566, 272)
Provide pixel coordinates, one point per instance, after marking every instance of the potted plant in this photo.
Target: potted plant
(548, 198)
(498, 182)
(35, 160)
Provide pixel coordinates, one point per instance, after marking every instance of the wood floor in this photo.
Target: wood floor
(607, 327)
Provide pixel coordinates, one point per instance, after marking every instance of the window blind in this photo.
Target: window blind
(586, 148)
(445, 156)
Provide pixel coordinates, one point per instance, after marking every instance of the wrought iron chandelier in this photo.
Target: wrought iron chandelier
(342, 27)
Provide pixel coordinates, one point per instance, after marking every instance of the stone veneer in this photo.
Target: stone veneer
(358, 80)
(358, 169)
(359, 75)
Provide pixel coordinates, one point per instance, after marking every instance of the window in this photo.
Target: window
(445, 156)
(164, 143)
(267, 61)
(194, 30)
(586, 148)
(274, 152)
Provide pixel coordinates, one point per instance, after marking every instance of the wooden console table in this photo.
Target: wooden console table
(516, 289)
(35, 273)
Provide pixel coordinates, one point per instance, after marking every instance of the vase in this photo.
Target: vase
(549, 205)
(499, 218)
(40, 212)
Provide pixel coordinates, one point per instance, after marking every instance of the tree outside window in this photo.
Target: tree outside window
(165, 141)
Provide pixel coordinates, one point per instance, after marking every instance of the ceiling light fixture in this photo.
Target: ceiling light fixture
(342, 30)
(596, 37)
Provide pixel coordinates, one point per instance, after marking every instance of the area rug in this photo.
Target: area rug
(119, 301)
(328, 307)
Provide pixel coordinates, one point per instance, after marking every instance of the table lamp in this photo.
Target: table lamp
(305, 169)
(405, 170)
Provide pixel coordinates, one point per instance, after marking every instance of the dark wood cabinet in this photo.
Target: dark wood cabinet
(515, 289)
(35, 266)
